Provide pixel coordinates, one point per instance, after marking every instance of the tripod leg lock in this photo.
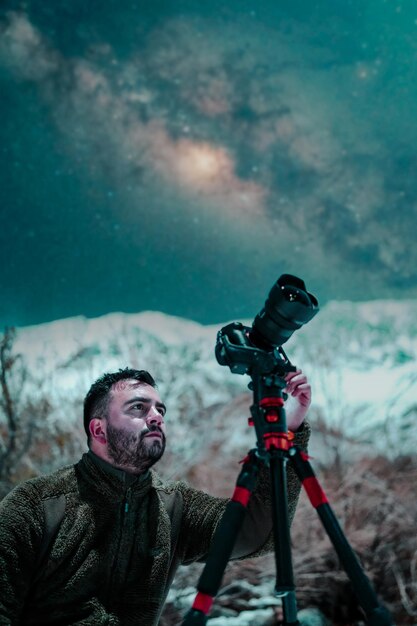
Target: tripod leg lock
(241, 495)
(203, 602)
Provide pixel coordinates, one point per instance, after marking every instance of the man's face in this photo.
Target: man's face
(135, 428)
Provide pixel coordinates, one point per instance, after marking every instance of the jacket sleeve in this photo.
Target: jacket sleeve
(203, 512)
(21, 524)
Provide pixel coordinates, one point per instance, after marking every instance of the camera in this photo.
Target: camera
(288, 307)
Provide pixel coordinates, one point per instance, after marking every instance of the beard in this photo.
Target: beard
(127, 449)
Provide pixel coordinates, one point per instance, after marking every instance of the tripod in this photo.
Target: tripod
(275, 449)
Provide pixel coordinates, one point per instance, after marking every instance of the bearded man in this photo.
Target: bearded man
(98, 543)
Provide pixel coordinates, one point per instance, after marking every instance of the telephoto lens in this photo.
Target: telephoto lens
(287, 308)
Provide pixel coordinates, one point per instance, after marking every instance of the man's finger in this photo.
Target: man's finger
(296, 383)
(301, 389)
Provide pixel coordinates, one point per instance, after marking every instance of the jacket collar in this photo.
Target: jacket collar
(109, 480)
(126, 478)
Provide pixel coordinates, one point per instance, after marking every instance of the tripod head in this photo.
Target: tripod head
(235, 349)
(267, 371)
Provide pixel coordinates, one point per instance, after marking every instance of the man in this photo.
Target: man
(123, 532)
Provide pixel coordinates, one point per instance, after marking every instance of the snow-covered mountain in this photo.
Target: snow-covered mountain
(359, 357)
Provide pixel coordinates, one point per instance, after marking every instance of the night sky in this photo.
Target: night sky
(180, 155)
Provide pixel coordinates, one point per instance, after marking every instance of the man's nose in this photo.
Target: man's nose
(154, 416)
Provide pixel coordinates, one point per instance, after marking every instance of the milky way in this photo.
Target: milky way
(181, 158)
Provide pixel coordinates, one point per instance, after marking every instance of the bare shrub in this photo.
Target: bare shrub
(19, 414)
(29, 444)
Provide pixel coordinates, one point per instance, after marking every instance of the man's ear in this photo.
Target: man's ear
(98, 430)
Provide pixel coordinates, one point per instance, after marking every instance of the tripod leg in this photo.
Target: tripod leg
(284, 586)
(222, 544)
(376, 613)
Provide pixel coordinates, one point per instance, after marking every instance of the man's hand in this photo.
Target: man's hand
(299, 399)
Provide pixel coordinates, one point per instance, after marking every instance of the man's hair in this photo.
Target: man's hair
(97, 400)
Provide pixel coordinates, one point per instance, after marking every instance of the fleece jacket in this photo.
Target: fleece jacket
(120, 541)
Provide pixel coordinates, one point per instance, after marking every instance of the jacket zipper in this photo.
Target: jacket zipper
(116, 560)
